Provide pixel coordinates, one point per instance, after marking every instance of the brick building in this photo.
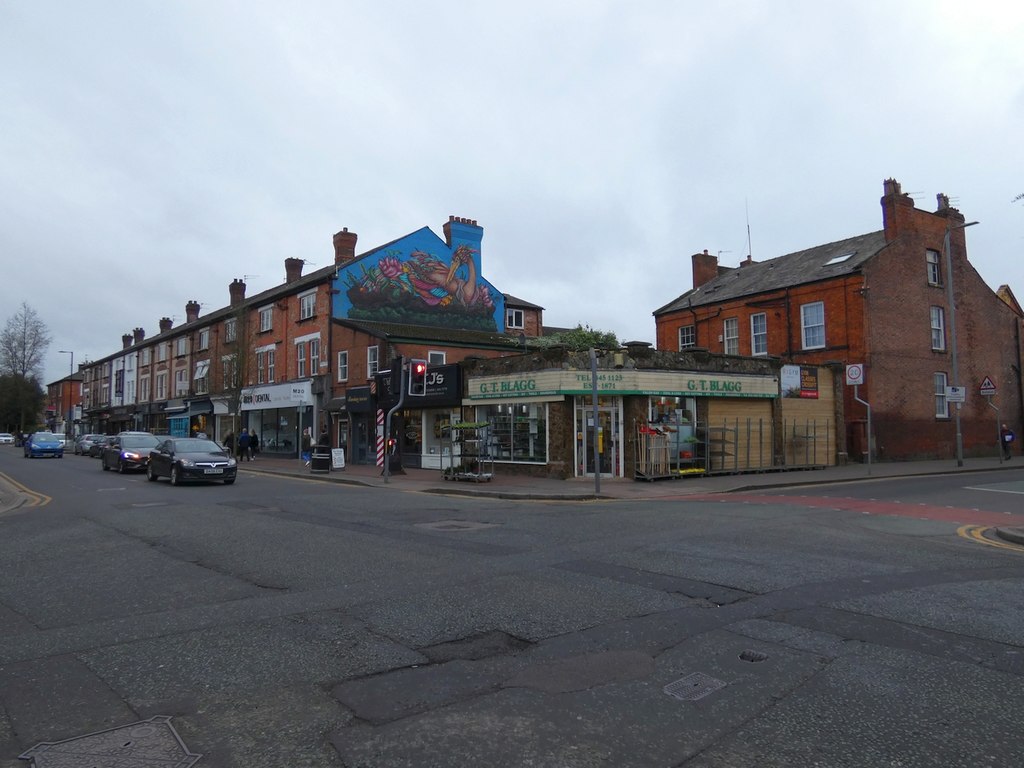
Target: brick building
(881, 300)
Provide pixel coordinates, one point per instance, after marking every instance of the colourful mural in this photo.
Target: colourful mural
(419, 282)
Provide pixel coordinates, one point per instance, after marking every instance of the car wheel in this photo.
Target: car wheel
(150, 474)
(175, 476)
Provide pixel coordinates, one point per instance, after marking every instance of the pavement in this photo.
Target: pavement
(522, 487)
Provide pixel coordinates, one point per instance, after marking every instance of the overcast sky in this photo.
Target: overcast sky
(150, 152)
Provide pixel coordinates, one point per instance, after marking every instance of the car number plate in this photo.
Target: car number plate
(213, 471)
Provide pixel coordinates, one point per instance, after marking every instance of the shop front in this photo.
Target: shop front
(277, 414)
(176, 412)
(644, 420)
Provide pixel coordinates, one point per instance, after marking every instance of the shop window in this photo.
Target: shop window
(518, 432)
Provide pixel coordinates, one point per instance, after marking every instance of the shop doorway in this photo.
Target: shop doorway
(605, 434)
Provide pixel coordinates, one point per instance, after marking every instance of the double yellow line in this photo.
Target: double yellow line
(977, 533)
(32, 498)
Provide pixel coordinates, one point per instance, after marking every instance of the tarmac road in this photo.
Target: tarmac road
(290, 622)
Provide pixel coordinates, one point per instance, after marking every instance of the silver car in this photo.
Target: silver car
(85, 442)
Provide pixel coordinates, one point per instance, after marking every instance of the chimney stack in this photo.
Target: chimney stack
(747, 261)
(166, 324)
(457, 230)
(344, 246)
(192, 311)
(292, 270)
(126, 340)
(138, 335)
(705, 268)
(237, 291)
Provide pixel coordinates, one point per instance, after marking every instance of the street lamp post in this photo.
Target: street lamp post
(71, 396)
(952, 332)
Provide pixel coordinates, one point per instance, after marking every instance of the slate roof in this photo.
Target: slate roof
(454, 336)
(793, 269)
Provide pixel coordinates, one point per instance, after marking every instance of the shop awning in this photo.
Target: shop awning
(198, 407)
(336, 404)
(174, 406)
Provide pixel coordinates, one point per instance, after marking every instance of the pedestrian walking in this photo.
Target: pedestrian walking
(229, 442)
(307, 445)
(1006, 438)
(254, 445)
(243, 445)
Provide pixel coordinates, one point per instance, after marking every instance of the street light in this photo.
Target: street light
(952, 332)
(71, 398)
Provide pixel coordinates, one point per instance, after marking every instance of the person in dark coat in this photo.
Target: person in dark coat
(324, 439)
(229, 442)
(243, 445)
(254, 445)
(1006, 438)
(307, 445)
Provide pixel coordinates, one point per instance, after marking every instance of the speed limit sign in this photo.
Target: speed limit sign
(855, 373)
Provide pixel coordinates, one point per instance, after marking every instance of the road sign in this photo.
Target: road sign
(988, 387)
(956, 394)
(855, 373)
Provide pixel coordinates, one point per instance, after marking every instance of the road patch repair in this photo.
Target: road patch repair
(147, 742)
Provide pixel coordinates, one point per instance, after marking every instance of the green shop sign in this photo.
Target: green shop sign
(673, 383)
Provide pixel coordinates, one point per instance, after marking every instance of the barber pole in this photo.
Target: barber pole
(380, 438)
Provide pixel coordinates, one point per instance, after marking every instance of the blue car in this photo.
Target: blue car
(44, 444)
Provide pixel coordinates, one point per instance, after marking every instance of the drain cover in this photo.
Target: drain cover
(693, 687)
(152, 742)
(753, 656)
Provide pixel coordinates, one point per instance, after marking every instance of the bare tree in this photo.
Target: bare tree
(23, 344)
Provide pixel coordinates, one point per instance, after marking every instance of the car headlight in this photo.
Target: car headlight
(187, 463)
(231, 462)
(129, 456)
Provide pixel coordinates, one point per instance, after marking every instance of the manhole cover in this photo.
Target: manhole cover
(753, 656)
(693, 687)
(152, 742)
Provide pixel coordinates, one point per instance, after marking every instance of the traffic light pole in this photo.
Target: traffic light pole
(387, 420)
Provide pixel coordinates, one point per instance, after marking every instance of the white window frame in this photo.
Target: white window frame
(687, 337)
(731, 335)
(300, 361)
(938, 325)
(307, 305)
(343, 365)
(515, 318)
(181, 382)
(934, 267)
(759, 335)
(372, 361)
(271, 363)
(202, 377)
(181, 346)
(266, 318)
(229, 371)
(161, 352)
(314, 357)
(204, 338)
(940, 382)
(145, 356)
(161, 386)
(144, 389)
(436, 357)
(812, 327)
(230, 329)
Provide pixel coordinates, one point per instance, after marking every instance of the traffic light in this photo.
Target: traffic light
(418, 377)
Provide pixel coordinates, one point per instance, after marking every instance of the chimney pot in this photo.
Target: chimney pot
(192, 311)
(126, 340)
(166, 324)
(138, 335)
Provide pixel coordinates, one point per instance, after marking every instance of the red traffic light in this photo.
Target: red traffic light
(418, 378)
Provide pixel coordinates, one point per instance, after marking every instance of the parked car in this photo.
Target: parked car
(43, 444)
(6, 438)
(96, 449)
(128, 451)
(191, 458)
(85, 442)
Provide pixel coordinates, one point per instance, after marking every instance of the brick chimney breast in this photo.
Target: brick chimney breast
(138, 334)
(237, 291)
(192, 311)
(166, 324)
(126, 341)
(292, 270)
(705, 268)
(344, 246)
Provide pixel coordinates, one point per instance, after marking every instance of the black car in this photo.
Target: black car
(128, 451)
(191, 458)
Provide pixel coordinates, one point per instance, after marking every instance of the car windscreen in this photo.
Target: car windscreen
(44, 436)
(136, 442)
(197, 445)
